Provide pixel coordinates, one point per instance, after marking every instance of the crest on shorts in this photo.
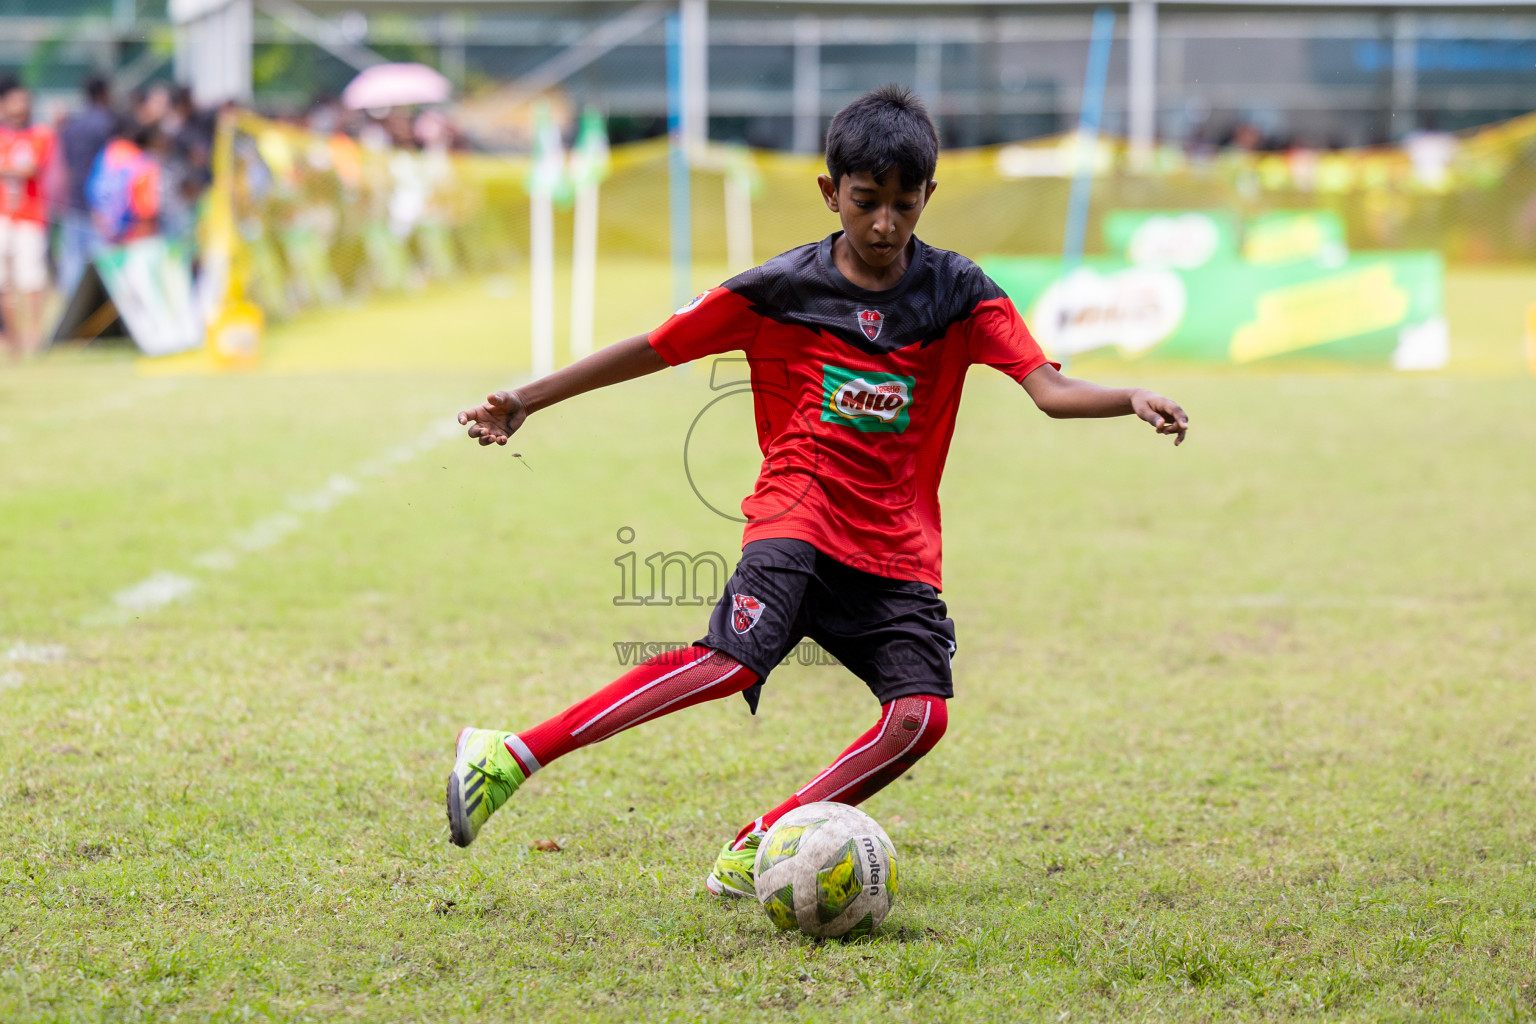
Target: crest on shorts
(745, 611)
(870, 322)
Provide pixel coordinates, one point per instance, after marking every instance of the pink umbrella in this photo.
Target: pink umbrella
(396, 85)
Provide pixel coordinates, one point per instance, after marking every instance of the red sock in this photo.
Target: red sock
(909, 727)
(663, 684)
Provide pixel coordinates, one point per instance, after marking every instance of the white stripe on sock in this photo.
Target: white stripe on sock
(631, 696)
(885, 715)
(653, 713)
(927, 710)
(520, 750)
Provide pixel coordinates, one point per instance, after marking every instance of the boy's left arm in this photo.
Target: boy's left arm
(1066, 398)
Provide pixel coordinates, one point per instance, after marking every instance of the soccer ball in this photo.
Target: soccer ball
(827, 869)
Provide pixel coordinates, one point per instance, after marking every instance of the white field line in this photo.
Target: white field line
(1322, 601)
(25, 653)
(160, 589)
(126, 399)
(39, 654)
(117, 402)
(164, 587)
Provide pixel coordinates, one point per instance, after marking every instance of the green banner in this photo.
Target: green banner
(150, 282)
(1383, 308)
(1171, 238)
(1295, 236)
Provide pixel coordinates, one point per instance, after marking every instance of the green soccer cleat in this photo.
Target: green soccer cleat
(484, 775)
(732, 874)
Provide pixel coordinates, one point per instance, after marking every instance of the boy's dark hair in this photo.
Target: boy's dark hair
(888, 129)
(9, 84)
(98, 89)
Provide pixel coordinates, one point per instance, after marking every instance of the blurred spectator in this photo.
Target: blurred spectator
(1302, 161)
(397, 123)
(26, 150)
(188, 145)
(191, 132)
(80, 142)
(1431, 152)
(1246, 137)
(124, 186)
(327, 120)
(151, 104)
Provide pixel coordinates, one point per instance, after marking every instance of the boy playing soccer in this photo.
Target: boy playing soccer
(859, 345)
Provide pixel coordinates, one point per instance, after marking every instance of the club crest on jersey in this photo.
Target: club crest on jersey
(694, 304)
(870, 322)
(745, 611)
(866, 400)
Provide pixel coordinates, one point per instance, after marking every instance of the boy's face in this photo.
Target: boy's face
(878, 220)
(16, 107)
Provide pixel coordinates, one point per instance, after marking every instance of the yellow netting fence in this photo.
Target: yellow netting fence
(308, 221)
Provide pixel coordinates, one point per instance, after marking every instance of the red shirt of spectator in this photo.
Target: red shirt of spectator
(25, 154)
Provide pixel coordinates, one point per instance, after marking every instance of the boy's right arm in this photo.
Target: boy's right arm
(504, 412)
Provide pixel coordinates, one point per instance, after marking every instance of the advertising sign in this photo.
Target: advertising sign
(150, 283)
(1171, 238)
(1383, 308)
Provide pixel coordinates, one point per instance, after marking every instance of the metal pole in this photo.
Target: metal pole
(927, 75)
(583, 269)
(679, 198)
(241, 87)
(323, 32)
(541, 282)
(1405, 74)
(544, 178)
(602, 40)
(453, 28)
(738, 216)
(1088, 120)
(1087, 143)
(589, 165)
(807, 130)
(695, 70)
(1142, 83)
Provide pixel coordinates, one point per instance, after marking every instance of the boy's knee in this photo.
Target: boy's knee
(916, 724)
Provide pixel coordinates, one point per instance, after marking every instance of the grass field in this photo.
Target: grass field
(1242, 730)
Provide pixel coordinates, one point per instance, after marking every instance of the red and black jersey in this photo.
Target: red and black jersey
(855, 394)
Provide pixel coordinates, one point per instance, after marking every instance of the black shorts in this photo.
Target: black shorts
(893, 634)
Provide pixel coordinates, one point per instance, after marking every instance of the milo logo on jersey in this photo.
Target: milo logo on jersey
(866, 400)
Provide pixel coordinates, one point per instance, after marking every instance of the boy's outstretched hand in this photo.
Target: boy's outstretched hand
(1162, 413)
(498, 418)
(1068, 398)
(504, 412)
